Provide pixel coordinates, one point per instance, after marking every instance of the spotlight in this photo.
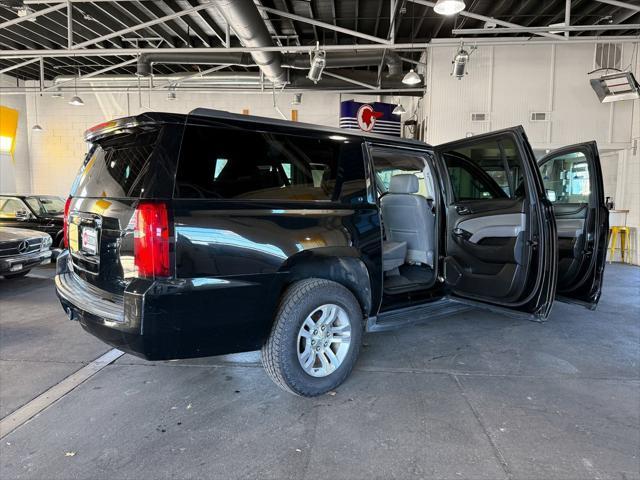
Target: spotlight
(76, 101)
(318, 62)
(24, 11)
(449, 7)
(411, 78)
(399, 110)
(460, 62)
(297, 99)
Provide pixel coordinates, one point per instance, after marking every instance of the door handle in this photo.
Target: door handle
(463, 210)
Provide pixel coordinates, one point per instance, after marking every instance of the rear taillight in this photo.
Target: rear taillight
(65, 228)
(151, 240)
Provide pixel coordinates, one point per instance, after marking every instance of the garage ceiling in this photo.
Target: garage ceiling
(415, 22)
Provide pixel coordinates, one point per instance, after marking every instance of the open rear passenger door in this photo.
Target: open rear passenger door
(500, 240)
(572, 177)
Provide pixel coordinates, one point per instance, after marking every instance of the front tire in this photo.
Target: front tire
(315, 340)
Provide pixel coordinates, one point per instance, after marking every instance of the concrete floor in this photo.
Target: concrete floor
(476, 395)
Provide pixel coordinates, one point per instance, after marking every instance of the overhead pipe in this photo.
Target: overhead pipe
(348, 60)
(146, 60)
(245, 81)
(247, 23)
(290, 60)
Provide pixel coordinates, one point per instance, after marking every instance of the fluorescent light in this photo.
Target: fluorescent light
(449, 7)
(37, 128)
(411, 78)
(337, 137)
(399, 110)
(76, 101)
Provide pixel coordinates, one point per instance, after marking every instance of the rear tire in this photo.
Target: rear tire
(17, 275)
(318, 311)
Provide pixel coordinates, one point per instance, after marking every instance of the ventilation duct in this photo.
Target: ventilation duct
(297, 61)
(247, 23)
(240, 81)
(147, 59)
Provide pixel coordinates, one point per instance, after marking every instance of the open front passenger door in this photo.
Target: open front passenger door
(572, 177)
(500, 237)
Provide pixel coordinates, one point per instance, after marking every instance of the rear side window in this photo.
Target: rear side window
(566, 178)
(239, 164)
(118, 166)
(491, 169)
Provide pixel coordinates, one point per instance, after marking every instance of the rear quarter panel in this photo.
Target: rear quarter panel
(248, 252)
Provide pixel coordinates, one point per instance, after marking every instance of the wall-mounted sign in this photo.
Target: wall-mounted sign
(373, 117)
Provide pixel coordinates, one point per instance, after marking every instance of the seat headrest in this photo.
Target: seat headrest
(404, 183)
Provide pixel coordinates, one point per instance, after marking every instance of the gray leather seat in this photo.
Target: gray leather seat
(408, 218)
(393, 255)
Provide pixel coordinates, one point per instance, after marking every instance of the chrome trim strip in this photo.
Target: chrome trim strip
(90, 299)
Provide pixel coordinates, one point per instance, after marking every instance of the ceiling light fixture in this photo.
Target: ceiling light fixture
(460, 61)
(171, 95)
(76, 101)
(449, 7)
(36, 127)
(297, 99)
(399, 110)
(411, 78)
(318, 62)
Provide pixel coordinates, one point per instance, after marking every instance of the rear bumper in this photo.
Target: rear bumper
(167, 319)
(20, 263)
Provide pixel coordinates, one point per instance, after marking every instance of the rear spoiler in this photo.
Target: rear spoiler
(145, 119)
(113, 126)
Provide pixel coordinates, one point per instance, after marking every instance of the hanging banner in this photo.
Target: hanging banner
(373, 117)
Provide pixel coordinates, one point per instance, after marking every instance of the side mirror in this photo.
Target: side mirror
(22, 215)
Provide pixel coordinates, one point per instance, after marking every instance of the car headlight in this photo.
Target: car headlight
(46, 243)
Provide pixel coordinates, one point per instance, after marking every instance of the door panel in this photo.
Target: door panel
(573, 182)
(500, 244)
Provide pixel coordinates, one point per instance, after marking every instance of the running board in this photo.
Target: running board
(411, 315)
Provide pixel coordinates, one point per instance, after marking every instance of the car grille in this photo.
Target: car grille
(10, 249)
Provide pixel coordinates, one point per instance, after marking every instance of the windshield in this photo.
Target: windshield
(46, 205)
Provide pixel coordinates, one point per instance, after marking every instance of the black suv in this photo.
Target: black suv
(34, 212)
(211, 233)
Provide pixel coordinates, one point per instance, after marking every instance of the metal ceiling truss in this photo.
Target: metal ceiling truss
(64, 39)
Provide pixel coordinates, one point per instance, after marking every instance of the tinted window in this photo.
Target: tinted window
(566, 178)
(46, 205)
(487, 170)
(9, 207)
(118, 166)
(249, 165)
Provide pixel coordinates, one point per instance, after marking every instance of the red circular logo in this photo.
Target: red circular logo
(366, 117)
